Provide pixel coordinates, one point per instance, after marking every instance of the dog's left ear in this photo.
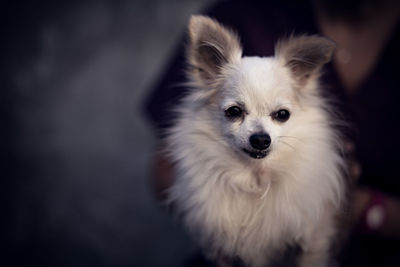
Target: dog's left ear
(305, 56)
(211, 46)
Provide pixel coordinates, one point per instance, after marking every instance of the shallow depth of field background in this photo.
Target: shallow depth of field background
(75, 144)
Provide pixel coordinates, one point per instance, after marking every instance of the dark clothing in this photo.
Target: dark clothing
(371, 111)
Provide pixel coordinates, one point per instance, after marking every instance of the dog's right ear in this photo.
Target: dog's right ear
(211, 46)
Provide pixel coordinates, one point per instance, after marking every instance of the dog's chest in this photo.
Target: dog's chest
(247, 223)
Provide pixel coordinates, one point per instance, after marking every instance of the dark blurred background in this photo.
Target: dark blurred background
(75, 145)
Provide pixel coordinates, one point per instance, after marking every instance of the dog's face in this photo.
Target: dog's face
(256, 103)
(256, 100)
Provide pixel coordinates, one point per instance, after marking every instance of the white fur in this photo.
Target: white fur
(236, 205)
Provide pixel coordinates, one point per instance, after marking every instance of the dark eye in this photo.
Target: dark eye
(233, 112)
(281, 115)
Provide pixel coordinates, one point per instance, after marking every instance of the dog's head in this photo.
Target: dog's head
(258, 102)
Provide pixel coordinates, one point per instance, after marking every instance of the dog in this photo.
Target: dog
(257, 154)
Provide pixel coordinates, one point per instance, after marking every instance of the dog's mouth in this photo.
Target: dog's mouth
(256, 154)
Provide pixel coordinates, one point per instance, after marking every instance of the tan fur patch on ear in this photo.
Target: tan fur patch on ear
(211, 46)
(305, 55)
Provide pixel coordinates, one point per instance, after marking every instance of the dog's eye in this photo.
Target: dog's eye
(233, 112)
(281, 115)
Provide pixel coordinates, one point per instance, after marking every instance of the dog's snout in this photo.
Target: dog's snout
(260, 141)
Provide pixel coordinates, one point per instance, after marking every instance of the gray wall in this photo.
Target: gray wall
(77, 182)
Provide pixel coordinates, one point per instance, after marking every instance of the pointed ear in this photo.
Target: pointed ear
(211, 46)
(305, 56)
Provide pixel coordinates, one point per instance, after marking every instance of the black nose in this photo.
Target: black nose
(260, 141)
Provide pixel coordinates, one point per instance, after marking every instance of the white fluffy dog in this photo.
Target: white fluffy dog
(258, 161)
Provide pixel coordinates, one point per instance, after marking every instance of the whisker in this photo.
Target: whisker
(288, 136)
(283, 142)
